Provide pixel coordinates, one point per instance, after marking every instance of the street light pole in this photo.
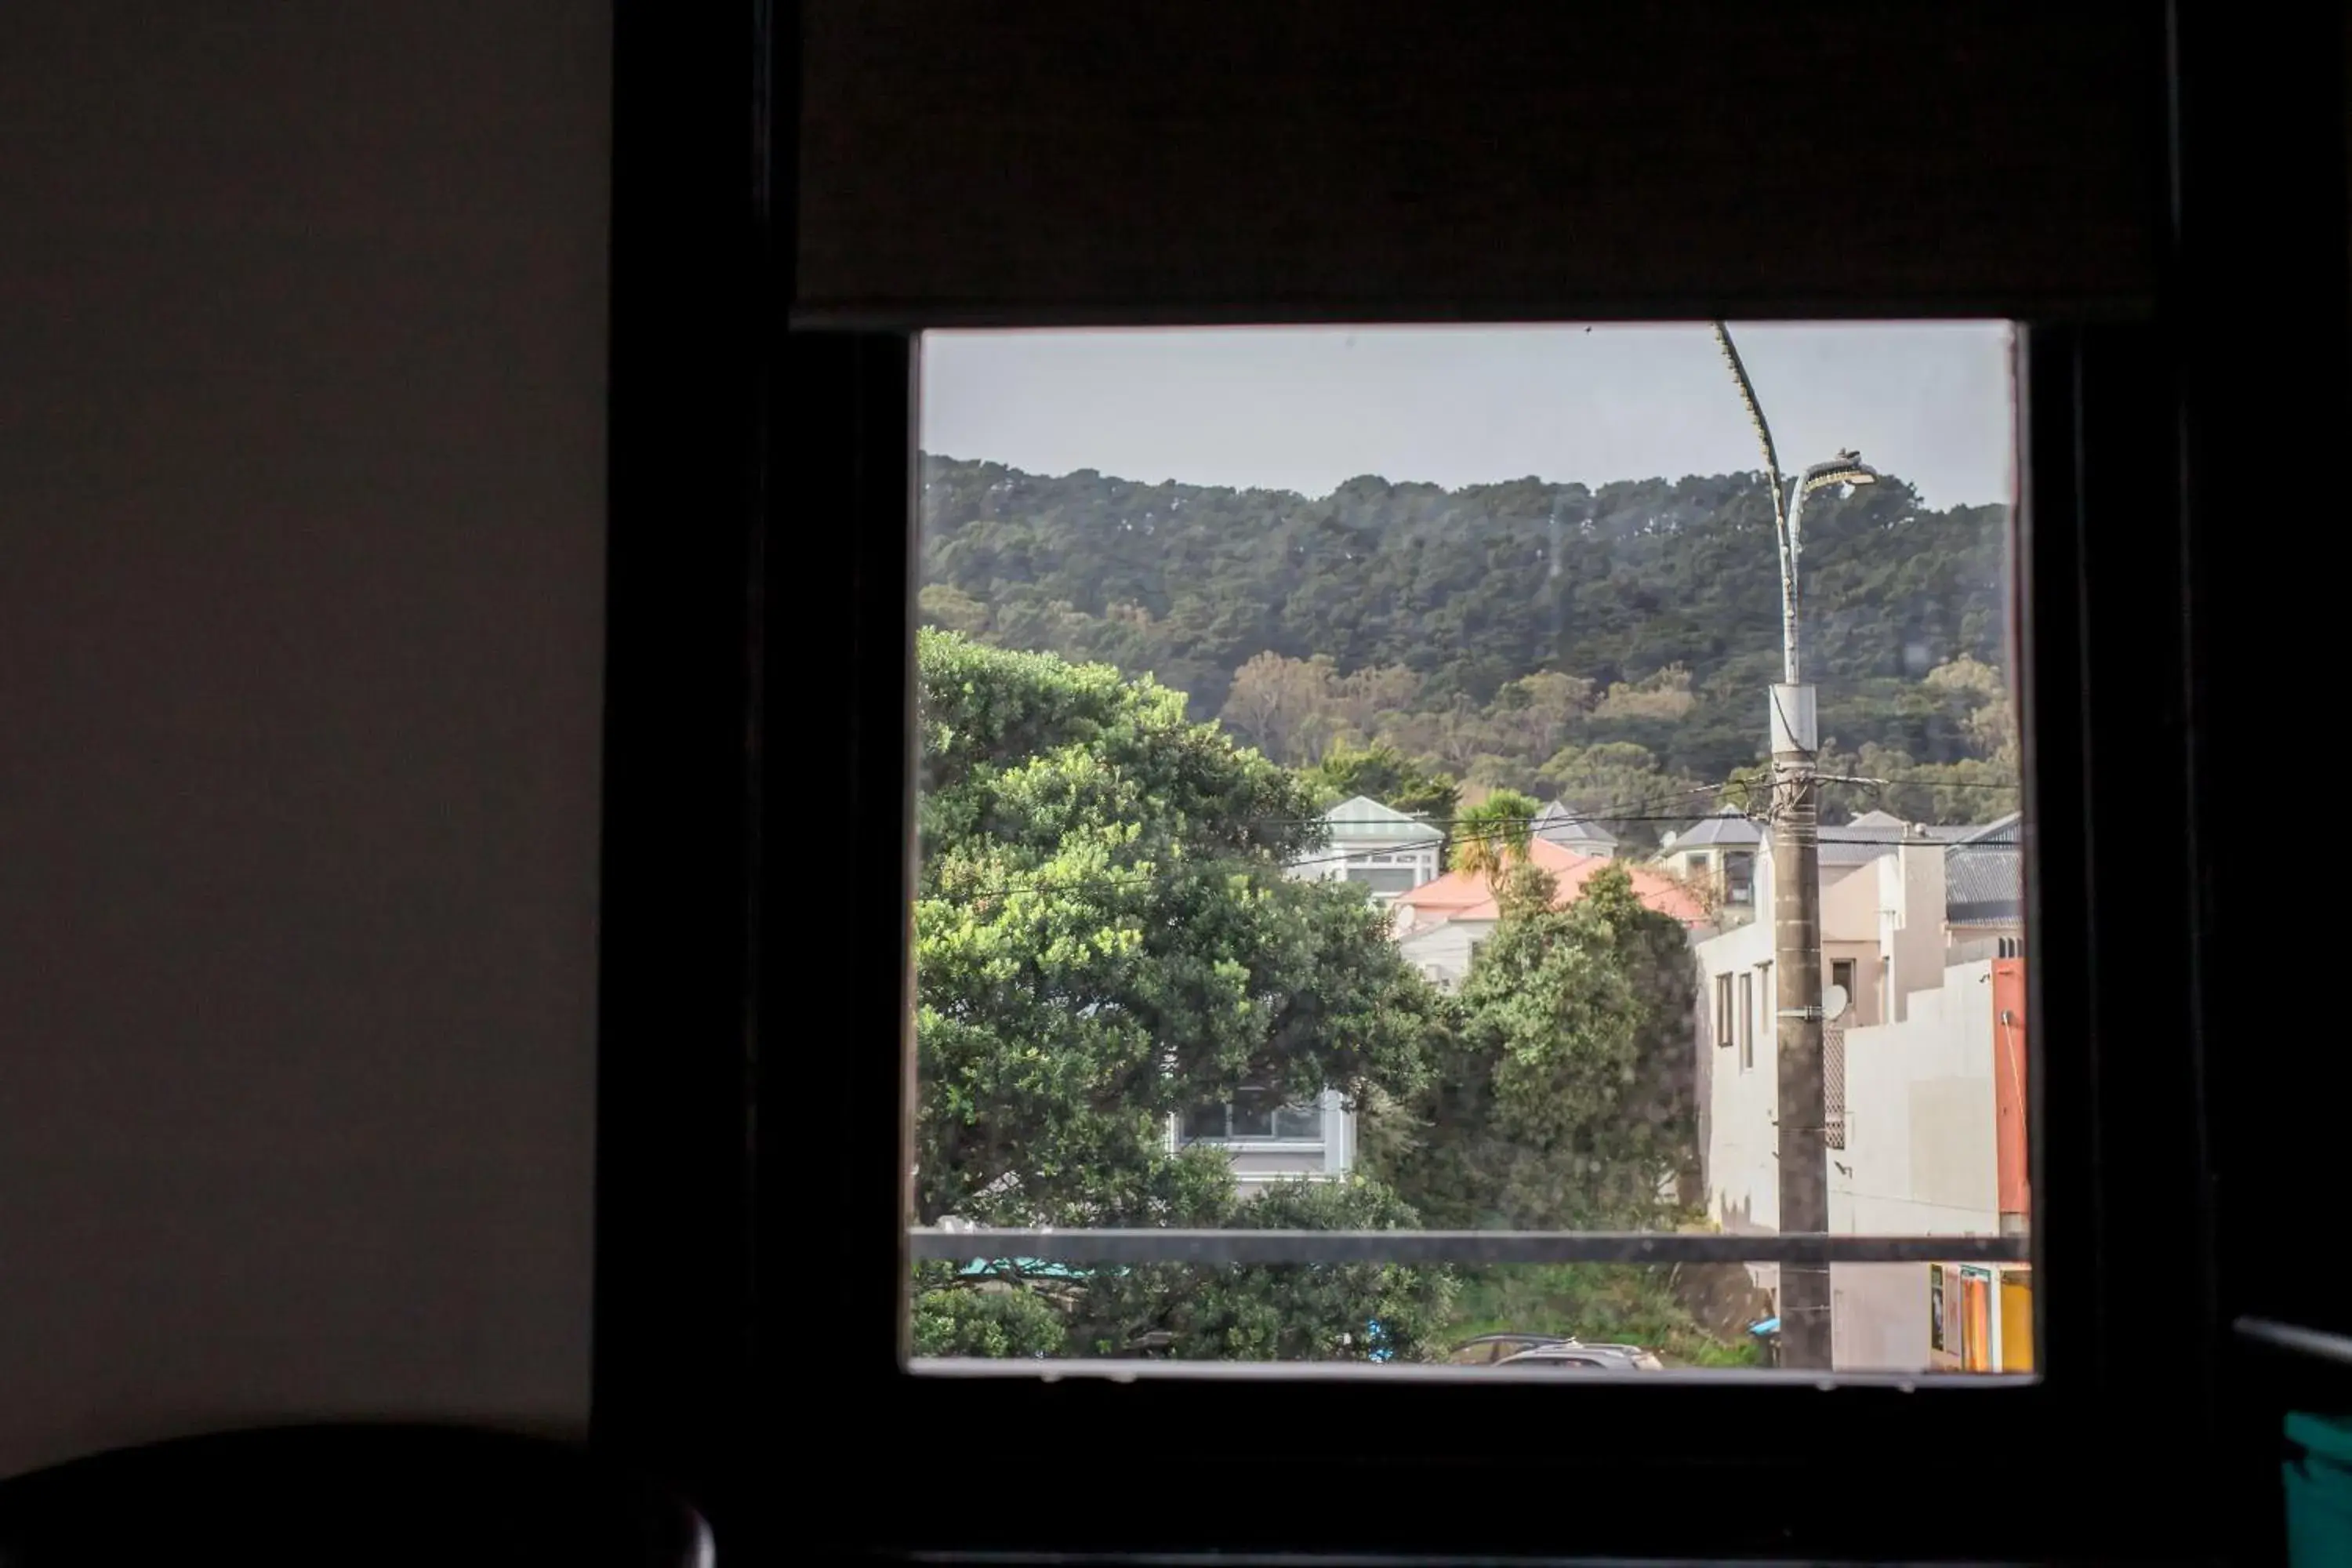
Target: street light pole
(1803, 1131)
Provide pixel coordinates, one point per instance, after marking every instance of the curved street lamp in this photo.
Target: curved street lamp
(1846, 469)
(1802, 1138)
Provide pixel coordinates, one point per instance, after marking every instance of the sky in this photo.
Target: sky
(1305, 408)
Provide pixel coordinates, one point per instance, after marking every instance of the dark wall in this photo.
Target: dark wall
(301, 549)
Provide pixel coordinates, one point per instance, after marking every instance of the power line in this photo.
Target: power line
(1034, 883)
(1916, 783)
(1627, 811)
(1488, 830)
(1491, 829)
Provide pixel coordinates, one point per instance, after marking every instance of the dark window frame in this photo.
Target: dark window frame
(698, 1273)
(2091, 1350)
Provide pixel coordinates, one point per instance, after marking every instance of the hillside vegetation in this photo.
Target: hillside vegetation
(1608, 647)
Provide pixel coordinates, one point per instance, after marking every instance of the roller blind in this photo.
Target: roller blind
(1051, 161)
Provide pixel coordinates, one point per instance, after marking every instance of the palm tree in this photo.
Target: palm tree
(1492, 836)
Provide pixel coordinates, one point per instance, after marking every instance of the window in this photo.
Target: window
(1746, 1020)
(1151, 664)
(1970, 200)
(1833, 1083)
(1254, 1115)
(1841, 976)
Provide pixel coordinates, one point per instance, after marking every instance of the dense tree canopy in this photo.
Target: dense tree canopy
(1105, 939)
(1564, 1099)
(1553, 638)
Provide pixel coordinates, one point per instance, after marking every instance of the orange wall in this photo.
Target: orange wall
(2013, 1171)
(2017, 1321)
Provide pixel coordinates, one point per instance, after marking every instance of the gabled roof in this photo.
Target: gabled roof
(1984, 875)
(1559, 825)
(1876, 833)
(2000, 830)
(1468, 896)
(1363, 820)
(1724, 828)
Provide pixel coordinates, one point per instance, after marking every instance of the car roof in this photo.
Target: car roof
(1570, 1351)
(1515, 1338)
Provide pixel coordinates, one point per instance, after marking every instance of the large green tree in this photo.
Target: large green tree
(1564, 1098)
(1385, 774)
(1105, 939)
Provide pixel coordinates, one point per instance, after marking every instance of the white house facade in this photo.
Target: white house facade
(1923, 1064)
(1387, 853)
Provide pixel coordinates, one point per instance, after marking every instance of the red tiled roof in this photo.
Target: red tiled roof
(1467, 896)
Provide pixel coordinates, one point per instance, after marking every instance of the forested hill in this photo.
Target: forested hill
(1599, 644)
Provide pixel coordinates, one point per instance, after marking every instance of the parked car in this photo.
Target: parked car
(1570, 1356)
(1488, 1348)
(1497, 1349)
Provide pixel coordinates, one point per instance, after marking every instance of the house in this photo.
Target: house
(1923, 1058)
(1718, 852)
(1984, 898)
(1555, 824)
(1439, 919)
(1269, 1140)
(1377, 846)
(1388, 854)
(1931, 1140)
(1440, 923)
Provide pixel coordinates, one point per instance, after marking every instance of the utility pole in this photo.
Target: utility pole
(1796, 816)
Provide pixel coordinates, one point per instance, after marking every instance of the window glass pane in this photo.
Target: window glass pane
(1251, 1115)
(1205, 1122)
(1298, 1121)
(1406, 716)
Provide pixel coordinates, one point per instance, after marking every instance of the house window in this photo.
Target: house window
(1722, 1015)
(1739, 878)
(1255, 1116)
(1747, 1021)
(1833, 1083)
(1384, 879)
(1841, 976)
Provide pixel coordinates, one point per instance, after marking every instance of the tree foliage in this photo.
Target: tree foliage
(1104, 938)
(1381, 772)
(1492, 837)
(1564, 1097)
